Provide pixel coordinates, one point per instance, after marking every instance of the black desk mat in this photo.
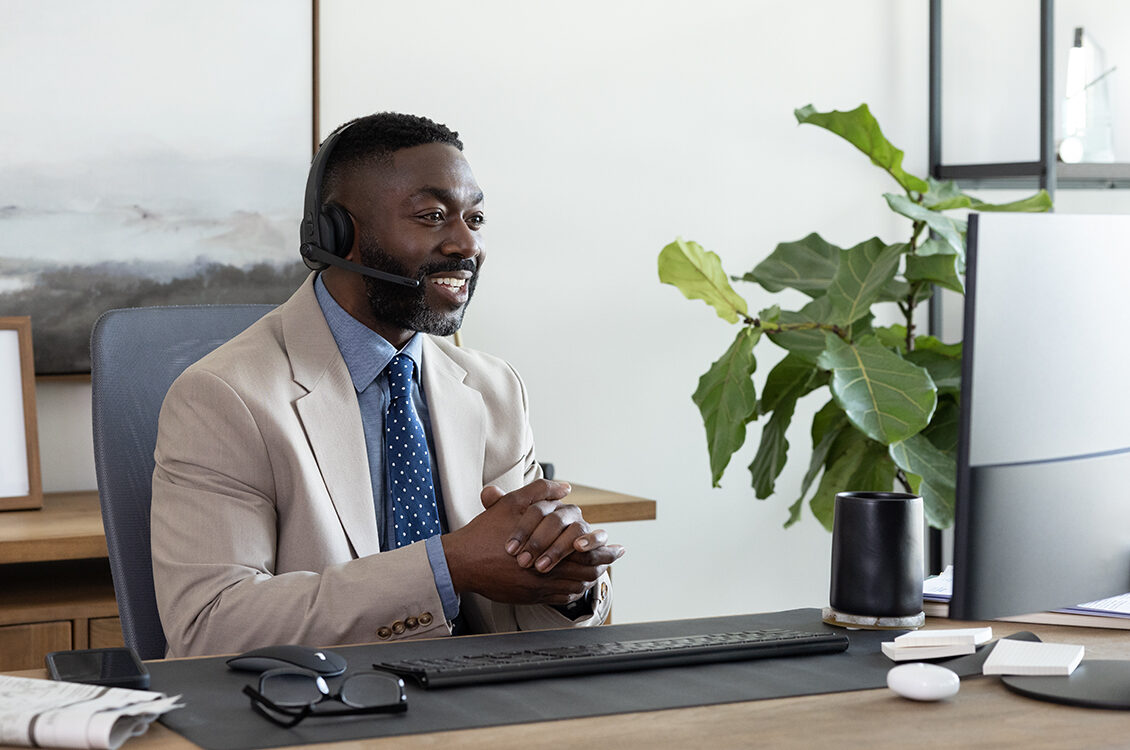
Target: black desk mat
(217, 715)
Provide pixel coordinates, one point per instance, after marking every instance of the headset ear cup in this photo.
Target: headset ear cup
(336, 230)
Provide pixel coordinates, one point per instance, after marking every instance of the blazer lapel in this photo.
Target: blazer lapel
(330, 417)
(458, 419)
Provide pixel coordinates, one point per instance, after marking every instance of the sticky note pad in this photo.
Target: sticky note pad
(1032, 658)
(918, 653)
(946, 637)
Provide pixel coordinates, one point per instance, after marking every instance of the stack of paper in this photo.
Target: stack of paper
(1032, 658)
(936, 644)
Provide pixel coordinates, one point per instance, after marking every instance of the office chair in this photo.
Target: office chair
(136, 354)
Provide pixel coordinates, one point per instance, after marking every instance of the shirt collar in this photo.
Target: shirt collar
(366, 352)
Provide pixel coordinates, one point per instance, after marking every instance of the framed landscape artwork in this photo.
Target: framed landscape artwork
(150, 154)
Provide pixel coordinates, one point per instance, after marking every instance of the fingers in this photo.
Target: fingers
(490, 495)
(555, 528)
(605, 555)
(536, 500)
(592, 540)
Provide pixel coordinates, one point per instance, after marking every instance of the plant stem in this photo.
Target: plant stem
(908, 314)
(908, 309)
(784, 327)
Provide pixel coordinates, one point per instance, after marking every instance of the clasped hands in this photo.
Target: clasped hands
(528, 547)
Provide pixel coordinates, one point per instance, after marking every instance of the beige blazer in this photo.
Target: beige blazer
(263, 524)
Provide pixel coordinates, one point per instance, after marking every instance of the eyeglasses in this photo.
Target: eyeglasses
(288, 695)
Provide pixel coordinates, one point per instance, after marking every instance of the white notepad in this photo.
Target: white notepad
(917, 653)
(946, 637)
(1032, 658)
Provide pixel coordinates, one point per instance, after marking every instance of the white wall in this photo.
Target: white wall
(600, 131)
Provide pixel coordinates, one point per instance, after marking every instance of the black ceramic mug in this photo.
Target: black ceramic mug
(877, 554)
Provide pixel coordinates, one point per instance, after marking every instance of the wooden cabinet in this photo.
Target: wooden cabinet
(23, 646)
(55, 587)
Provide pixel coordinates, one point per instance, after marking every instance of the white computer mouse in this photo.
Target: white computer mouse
(923, 682)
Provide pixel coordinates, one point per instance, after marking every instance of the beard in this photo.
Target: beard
(407, 307)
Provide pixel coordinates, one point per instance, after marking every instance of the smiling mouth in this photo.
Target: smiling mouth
(450, 282)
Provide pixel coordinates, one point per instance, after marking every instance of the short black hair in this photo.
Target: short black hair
(374, 138)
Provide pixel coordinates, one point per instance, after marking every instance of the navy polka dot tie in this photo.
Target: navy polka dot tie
(407, 460)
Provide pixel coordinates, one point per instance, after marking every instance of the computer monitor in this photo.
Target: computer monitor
(1042, 517)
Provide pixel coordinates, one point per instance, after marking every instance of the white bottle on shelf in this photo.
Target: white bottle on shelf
(1088, 132)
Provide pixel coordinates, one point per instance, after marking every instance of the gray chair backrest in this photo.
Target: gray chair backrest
(136, 354)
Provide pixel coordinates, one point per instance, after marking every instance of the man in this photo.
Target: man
(280, 509)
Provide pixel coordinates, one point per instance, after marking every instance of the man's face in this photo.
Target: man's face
(420, 216)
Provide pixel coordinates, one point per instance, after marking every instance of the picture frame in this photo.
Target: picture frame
(20, 482)
(187, 186)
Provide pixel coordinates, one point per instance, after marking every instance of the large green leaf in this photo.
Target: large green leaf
(950, 230)
(863, 272)
(855, 463)
(772, 452)
(837, 476)
(806, 265)
(935, 269)
(935, 246)
(892, 337)
(884, 396)
(861, 129)
(727, 400)
(944, 370)
(876, 472)
(943, 196)
(698, 274)
(894, 290)
(791, 379)
(934, 344)
(827, 425)
(944, 428)
(938, 472)
(1037, 203)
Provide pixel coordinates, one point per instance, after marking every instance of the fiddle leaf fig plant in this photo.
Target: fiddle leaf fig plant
(892, 393)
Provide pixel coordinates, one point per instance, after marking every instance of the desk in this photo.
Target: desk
(57, 594)
(983, 714)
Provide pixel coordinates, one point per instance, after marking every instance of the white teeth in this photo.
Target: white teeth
(453, 283)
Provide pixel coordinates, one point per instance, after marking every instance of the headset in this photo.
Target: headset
(326, 233)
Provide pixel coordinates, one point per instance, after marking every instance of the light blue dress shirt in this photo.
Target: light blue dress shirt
(367, 354)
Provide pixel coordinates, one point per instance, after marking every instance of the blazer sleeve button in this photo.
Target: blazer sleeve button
(411, 623)
(426, 619)
(384, 632)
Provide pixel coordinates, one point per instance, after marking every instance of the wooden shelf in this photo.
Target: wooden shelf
(67, 527)
(603, 506)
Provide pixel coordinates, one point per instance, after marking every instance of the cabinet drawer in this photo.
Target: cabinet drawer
(24, 646)
(106, 632)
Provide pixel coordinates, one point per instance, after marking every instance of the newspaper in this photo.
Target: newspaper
(45, 713)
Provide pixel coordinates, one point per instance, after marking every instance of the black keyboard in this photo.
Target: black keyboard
(616, 656)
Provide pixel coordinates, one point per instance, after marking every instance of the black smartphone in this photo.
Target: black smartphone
(117, 667)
